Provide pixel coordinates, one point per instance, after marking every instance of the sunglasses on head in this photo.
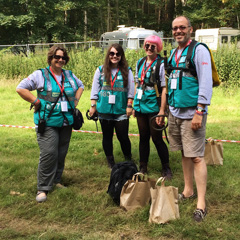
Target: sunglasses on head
(152, 47)
(181, 28)
(58, 57)
(113, 54)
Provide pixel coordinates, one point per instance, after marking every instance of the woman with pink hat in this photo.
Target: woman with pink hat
(146, 105)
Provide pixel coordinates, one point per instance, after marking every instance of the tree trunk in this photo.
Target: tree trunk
(108, 17)
(117, 13)
(85, 25)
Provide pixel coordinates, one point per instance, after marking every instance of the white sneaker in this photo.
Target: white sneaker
(41, 196)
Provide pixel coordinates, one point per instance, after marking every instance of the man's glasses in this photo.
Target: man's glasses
(58, 57)
(152, 47)
(181, 28)
(112, 54)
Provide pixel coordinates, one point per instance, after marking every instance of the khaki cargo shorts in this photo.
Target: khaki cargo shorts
(182, 137)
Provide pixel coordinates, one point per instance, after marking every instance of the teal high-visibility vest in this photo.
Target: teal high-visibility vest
(183, 87)
(148, 103)
(120, 92)
(49, 95)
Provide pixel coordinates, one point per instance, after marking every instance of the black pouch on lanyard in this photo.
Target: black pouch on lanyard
(41, 126)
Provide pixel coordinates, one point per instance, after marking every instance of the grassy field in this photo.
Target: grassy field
(84, 210)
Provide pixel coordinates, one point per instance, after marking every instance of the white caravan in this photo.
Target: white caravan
(215, 37)
(128, 37)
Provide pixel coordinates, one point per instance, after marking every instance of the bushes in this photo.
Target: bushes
(84, 63)
(227, 59)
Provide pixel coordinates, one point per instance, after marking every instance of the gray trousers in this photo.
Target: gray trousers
(53, 144)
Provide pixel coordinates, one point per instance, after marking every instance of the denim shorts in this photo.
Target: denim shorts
(112, 117)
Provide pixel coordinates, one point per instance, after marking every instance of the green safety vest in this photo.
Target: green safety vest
(49, 95)
(148, 103)
(120, 92)
(187, 87)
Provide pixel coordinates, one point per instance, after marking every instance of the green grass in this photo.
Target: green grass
(84, 210)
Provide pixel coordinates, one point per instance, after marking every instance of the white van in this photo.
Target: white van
(127, 37)
(215, 37)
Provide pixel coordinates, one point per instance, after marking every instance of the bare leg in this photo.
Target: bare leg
(188, 168)
(200, 174)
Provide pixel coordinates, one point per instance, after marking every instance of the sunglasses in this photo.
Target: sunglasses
(181, 28)
(59, 57)
(152, 47)
(112, 54)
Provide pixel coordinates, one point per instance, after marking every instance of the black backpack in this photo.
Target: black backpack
(121, 172)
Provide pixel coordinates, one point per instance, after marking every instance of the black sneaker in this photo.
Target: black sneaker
(181, 197)
(199, 214)
(167, 173)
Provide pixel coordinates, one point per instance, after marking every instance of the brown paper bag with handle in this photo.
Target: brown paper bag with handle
(136, 192)
(213, 152)
(164, 203)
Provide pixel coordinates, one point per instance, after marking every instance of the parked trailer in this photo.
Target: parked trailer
(127, 37)
(215, 37)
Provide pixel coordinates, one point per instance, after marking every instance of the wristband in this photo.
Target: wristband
(129, 106)
(35, 101)
(199, 113)
(93, 105)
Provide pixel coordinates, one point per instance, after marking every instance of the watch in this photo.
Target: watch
(93, 105)
(200, 109)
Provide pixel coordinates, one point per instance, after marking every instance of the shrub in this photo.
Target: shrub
(84, 63)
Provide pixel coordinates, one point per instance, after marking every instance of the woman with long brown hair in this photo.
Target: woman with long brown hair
(112, 96)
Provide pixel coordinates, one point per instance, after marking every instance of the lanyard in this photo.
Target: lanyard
(177, 59)
(143, 73)
(113, 80)
(61, 88)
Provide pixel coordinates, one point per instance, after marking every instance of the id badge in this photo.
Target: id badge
(64, 107)
(139, 94)
(173, 83)
(111, 99)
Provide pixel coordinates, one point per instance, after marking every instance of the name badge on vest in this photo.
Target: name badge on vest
(182, 59)
(111, 99)
(139, 94)
(64, 107)
(173, 83)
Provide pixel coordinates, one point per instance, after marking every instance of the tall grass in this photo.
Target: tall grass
(84, 63)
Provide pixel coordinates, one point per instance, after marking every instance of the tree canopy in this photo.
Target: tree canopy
(41, 21)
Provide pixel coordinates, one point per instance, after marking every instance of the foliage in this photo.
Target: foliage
(83, 63)
(227, 59)
(37, 21)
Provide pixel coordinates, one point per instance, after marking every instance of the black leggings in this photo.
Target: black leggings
(146, 130)
(121, 128)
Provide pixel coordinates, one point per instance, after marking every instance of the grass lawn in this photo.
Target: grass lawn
(84, 210)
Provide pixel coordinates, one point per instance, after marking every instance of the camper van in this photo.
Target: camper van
(217, 36)
(127, 37)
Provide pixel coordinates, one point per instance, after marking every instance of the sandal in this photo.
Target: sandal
(199, 214)
(181, 197)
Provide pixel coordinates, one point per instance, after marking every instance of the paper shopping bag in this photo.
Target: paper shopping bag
(164, 203)
(136, 192)
(213, 152)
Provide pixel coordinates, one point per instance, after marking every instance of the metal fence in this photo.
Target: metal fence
(27, 49)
